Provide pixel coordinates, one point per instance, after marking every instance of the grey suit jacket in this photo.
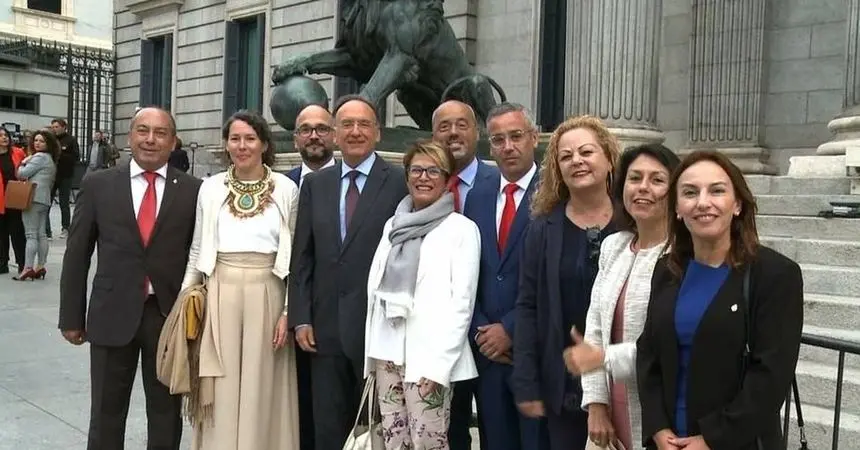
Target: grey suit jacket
(40, 170)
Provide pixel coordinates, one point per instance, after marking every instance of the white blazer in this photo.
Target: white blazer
(437, 346)
(210, 199)
(618, 264)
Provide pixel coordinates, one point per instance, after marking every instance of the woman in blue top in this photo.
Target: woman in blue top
(696, 387)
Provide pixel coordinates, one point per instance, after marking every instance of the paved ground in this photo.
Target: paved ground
(44, 382)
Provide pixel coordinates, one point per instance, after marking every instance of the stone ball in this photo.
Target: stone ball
(292, 96)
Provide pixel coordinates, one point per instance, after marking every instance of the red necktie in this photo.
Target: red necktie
(146, 213)
(351, 197)
(508, 215)
(454, 187)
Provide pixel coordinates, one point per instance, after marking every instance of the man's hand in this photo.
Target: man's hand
(665, 440)
(493, 341)
(280, 337)
(582, 357)
(505, 358)
(533, 409)
(75, 337)
(691, 443)
(305, 338)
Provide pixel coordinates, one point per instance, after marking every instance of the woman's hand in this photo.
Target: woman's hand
(600, 429)
(281, 333)
(665, 440)
(533, 409)
(691, 443)
(582, 357)
(426, 387)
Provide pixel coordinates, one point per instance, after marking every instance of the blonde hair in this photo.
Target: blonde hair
(551, 191)
(440, 155)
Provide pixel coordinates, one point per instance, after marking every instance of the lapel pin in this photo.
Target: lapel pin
(174, 181)
(735, 307)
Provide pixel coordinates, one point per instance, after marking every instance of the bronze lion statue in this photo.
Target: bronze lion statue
(403, 46)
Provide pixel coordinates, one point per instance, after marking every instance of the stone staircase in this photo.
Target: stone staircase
(828, 251)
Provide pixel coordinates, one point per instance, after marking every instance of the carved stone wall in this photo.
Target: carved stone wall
(612, 59)
(726, 80)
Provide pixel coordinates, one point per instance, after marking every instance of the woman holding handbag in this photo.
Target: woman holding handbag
(11, 225)
(40, 168)
(420, 297)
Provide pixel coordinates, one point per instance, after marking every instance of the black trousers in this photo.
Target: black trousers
(337, 385)
(112, 371)
(459, 437)
(568, 430)
(306, 408)
(12, 229)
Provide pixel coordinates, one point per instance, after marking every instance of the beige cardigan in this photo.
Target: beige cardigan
(204, 248)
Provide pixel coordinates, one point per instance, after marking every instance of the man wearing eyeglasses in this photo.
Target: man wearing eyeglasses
(314, 139)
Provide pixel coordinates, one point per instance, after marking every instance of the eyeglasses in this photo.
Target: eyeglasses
(516, 137)
(349, 124)
(592, 235)
(306, 131)
(433, 173)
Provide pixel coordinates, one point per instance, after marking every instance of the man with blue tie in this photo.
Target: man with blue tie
(455, 126)
(314, 140)
(501, 211)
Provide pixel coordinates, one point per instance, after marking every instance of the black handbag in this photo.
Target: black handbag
(746, 356)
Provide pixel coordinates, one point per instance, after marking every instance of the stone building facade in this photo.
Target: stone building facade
(759, 79)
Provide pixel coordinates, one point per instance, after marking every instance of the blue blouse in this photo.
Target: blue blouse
(698, 289)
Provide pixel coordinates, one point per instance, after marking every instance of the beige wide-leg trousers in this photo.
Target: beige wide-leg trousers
(255, 406)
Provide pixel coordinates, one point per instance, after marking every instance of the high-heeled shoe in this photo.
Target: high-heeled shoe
(27, 274)
(40, 274)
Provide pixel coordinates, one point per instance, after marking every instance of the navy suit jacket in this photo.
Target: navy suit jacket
(498, 283)
(295, 174)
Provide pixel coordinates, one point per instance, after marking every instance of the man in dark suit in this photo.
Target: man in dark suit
(455, 126)
(314, 139)
(141, 217)
(342, 210)
(501, 211)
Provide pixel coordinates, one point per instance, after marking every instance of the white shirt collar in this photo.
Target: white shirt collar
(136, 170)
(306, 170)
(523, 182)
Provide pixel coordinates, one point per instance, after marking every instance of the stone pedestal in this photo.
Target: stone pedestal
(726, 76)
(612, 59)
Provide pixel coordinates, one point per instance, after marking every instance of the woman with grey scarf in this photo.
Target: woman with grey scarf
(420, 297)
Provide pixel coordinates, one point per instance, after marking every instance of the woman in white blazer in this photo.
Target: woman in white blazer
(606, 358)
(421, 294)
(241, 251)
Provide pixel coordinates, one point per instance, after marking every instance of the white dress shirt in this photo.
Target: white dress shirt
(138, 190)
(522, 183)
(307, 170)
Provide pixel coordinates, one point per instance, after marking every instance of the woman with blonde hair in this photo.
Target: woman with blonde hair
(573, 213)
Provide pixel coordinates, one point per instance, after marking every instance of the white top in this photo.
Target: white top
(522, 183)
(433, 343)
(258, 234)
(138, 190)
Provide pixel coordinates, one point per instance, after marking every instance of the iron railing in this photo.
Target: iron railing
(842, 347)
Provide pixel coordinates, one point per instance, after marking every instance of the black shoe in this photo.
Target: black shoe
(4, 269)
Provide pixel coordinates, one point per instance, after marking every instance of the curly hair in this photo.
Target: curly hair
(551, 191)
(52, 145)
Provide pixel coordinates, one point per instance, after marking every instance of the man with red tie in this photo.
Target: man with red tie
(141, 217)
(501, 211)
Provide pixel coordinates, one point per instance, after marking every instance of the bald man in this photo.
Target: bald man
(140, 215)
(314, 140)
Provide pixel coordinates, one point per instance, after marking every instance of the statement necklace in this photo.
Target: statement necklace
(249, 199)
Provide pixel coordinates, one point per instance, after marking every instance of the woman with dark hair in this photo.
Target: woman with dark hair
(40, 168)
(241, 251)
(606, 358)
(11, 224)
(722, 334)
(573, 214)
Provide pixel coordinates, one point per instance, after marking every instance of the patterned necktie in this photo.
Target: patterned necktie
(508, 215)
(146, 213)
(454, 187)
(351, 196)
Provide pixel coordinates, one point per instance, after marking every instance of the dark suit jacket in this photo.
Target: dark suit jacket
(104, 215)
(726, 417)
(328, 279)
(295, 174)
(498, 282)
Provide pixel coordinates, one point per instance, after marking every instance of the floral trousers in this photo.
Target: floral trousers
(410, 421)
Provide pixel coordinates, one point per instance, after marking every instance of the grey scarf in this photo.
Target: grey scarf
(408, 229)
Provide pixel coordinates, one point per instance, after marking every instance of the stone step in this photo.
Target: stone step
(765, 184)
(826, 356)
(829, 311)
(808, 227)
(799, 205)
(816, 251)
(831, 280)
(817, 385)
(818, 426)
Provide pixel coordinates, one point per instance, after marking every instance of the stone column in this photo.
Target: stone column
(726, 77)
(612, 65)
(847, 124)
